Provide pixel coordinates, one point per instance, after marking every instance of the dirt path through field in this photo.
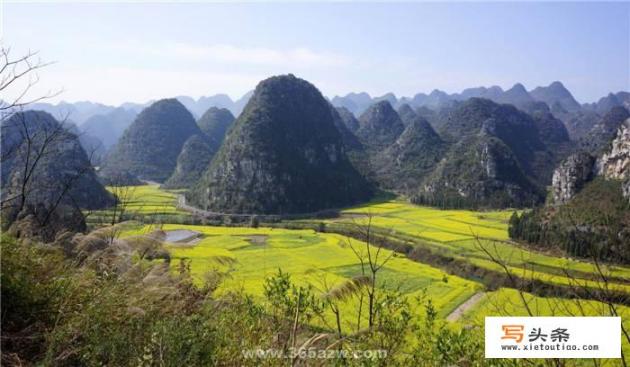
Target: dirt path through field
(461, 309)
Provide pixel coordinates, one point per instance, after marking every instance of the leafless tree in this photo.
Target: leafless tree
(494, 255)
(19, 136)
(123, 194)
(372, 260)
(25, 144)
(18, 75)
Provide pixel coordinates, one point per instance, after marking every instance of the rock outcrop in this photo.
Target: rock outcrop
(580, 168)
(596, 141)
(571, 176)
(615, 163)
(590, 213)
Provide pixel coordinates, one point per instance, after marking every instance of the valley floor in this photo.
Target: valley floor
(325, 259)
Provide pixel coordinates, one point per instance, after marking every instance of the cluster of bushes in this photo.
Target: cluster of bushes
(451, 199)
(445, 200)
(91, 305)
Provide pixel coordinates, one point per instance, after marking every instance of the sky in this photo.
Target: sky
(135, 52)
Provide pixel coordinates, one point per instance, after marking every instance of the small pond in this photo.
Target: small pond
(181, 235)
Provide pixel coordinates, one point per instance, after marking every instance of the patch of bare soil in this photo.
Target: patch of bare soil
(257, 239)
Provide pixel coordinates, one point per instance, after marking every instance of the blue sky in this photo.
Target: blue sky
(120, 52)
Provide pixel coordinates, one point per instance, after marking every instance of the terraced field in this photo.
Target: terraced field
(321, 259)
(462, 233)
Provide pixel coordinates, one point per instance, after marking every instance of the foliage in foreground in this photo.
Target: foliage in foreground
(109, 305)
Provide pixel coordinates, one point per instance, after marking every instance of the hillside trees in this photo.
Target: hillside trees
(593, 223)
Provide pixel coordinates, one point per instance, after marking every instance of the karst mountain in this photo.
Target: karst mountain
(149, 147)
(284, 154)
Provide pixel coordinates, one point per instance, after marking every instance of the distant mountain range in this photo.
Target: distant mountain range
(556, 95)
(81, 112)
(577, 118)
(101, 126)
(108, 122)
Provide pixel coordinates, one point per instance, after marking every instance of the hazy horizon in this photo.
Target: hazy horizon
(115, 53)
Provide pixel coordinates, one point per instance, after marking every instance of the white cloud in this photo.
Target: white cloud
(296, 57)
